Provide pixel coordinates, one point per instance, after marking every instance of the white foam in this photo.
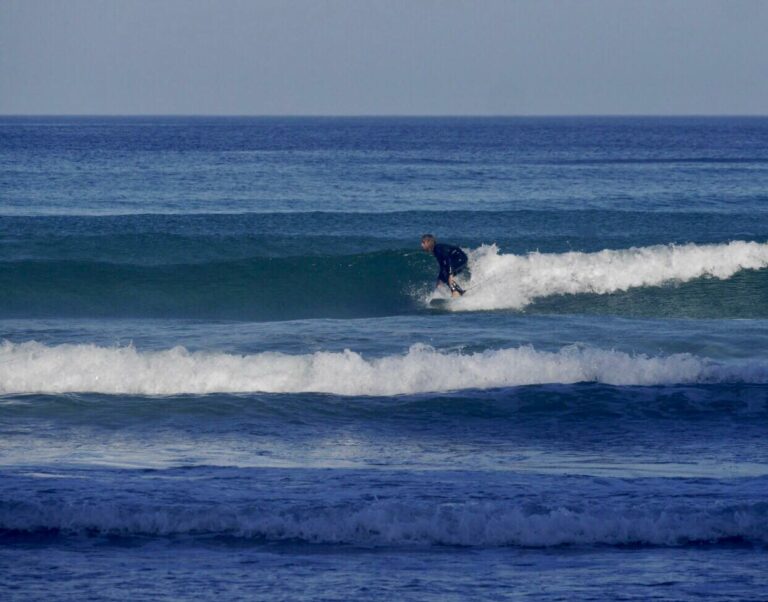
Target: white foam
(501, 281)
(36, 368)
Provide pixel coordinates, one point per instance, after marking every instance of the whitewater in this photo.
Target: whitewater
(35, 368)
(508, 281)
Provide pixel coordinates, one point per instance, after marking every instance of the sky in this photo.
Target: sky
(387, 57)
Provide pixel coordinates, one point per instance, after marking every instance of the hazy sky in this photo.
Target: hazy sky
(349, 57)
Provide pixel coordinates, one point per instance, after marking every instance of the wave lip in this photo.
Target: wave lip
(501, 281)
(33, 367)
(409, 522)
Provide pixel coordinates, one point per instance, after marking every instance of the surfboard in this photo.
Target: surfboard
(440, 303)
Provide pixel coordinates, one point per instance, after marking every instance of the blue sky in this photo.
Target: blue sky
(417, 57)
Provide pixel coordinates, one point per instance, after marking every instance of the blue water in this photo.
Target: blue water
(222, 373)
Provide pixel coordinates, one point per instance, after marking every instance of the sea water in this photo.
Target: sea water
(221, 375)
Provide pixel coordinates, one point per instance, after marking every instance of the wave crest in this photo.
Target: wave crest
(482, 523)
(36, 368)
(501, 281)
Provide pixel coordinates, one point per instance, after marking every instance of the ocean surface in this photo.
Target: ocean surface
(222, 375)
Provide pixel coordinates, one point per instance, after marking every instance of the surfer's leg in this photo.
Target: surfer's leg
(456, 290)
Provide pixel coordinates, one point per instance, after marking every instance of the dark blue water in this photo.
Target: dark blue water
(222, 370)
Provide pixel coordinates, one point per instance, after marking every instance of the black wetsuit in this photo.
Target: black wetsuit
(452, 260)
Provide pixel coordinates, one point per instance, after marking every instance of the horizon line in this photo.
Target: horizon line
(394, 115)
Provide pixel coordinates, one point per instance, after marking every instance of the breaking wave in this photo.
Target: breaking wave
(33, 367)
(408, 522)
(389, 282)
(501, 281)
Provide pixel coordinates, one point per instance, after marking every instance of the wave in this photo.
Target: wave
(502, 281)
(395, 282)
(33, 367)
(270, 288)
(408, 522)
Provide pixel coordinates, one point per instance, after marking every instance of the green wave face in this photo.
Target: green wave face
(255, 289)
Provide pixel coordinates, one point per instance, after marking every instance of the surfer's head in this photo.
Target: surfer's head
(428, 243)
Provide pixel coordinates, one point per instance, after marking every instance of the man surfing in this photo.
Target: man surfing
(452, 260)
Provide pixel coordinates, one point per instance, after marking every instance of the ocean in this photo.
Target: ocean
(222, 375)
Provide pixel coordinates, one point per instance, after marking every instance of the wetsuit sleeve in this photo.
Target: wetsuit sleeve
(445, 272)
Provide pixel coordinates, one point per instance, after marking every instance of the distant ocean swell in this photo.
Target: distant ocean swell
(36, 368)
(391, 282)
(667, 522)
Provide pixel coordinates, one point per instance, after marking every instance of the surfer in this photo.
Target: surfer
(452, 260)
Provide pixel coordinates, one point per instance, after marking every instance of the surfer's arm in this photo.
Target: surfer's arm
(443, 256)
(445, 272)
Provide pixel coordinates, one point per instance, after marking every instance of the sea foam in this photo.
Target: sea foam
(507, 281)
(33, 367)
